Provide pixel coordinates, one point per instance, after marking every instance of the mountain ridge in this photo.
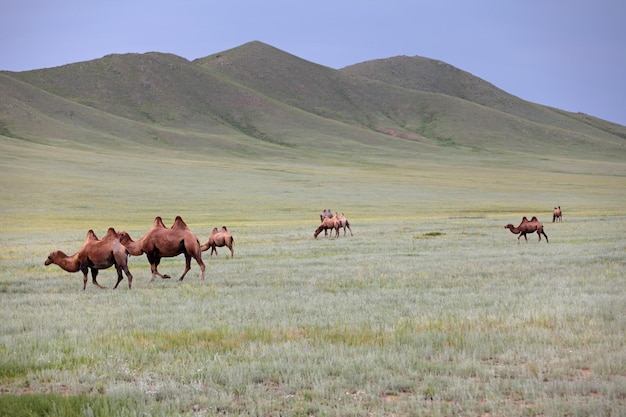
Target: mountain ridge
(257, 95)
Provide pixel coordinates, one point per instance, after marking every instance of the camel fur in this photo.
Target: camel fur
(328, 223)
(527, 226)
(162, 242)
(95, 255)
(219, 239)
(557, 216)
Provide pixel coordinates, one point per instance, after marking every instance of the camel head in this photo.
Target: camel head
(124, 237)
(54, 257)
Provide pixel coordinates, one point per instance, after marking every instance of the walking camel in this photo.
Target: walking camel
(162, 242)
(219, 239)
(527, 226)
(95, 255)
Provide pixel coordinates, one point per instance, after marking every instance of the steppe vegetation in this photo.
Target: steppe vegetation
(431, 308)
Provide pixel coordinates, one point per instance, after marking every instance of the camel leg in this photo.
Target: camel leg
(547, 241)
(129, 276)
(214, 249)
(232, 252)
(94, 274)
(119, 275)
(202, 266)
(154, 264)
(187, 266)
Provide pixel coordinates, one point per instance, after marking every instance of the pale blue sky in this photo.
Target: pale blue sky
(569, 54)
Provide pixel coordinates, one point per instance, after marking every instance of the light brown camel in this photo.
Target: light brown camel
(557, 216)
(343, 222)
(95, 255)
(527, 226)
(328, 223)
(161, 242)
(219, 239)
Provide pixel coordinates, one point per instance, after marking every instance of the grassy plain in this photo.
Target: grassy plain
(431, 308)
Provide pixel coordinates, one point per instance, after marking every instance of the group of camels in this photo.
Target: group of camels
(332, 222)
(159, 242)
(533, 225)
(163, 242)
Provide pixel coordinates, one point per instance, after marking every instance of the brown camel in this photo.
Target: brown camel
(343, 222)
(527, 226)
(95, 255)
(328, 223)
(219, 239)
(161, 242)
(557, 216)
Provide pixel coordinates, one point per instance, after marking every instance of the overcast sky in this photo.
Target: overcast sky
(569, 54)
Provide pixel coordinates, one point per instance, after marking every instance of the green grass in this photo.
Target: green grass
(431, 308)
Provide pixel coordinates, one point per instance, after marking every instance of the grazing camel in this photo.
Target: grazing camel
(219, 239)
(557, 216)
(527, 226)
(161, 242)
(95, 255)
(343, 222)
(328, 223)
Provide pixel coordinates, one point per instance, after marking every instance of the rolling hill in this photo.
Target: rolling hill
(258, 100)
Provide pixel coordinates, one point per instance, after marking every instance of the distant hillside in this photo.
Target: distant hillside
(258, 100)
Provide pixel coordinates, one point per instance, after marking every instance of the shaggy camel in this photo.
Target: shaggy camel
(527, 226)
(557, 216)
(343, 222)
(219, 239)
(161, 242)
(329, 223)
(95, 255)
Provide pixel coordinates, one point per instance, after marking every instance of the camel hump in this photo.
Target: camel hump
(111, 233)
(158, 222)
(179, 223)
(534, 219)
(224, 229)
(91, 235)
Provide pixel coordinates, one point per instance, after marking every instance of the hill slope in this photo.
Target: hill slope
(258, 100)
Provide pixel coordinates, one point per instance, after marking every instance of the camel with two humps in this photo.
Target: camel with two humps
(95, 254)
(218, 239)
(162, 242)
(527, 226)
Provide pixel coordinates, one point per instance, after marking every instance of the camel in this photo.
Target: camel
(161, 242)
(328, 224)
(219, 239)
(343, 222)
(95, 255)
(327, 213)
(557, 216)
(527, 226)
